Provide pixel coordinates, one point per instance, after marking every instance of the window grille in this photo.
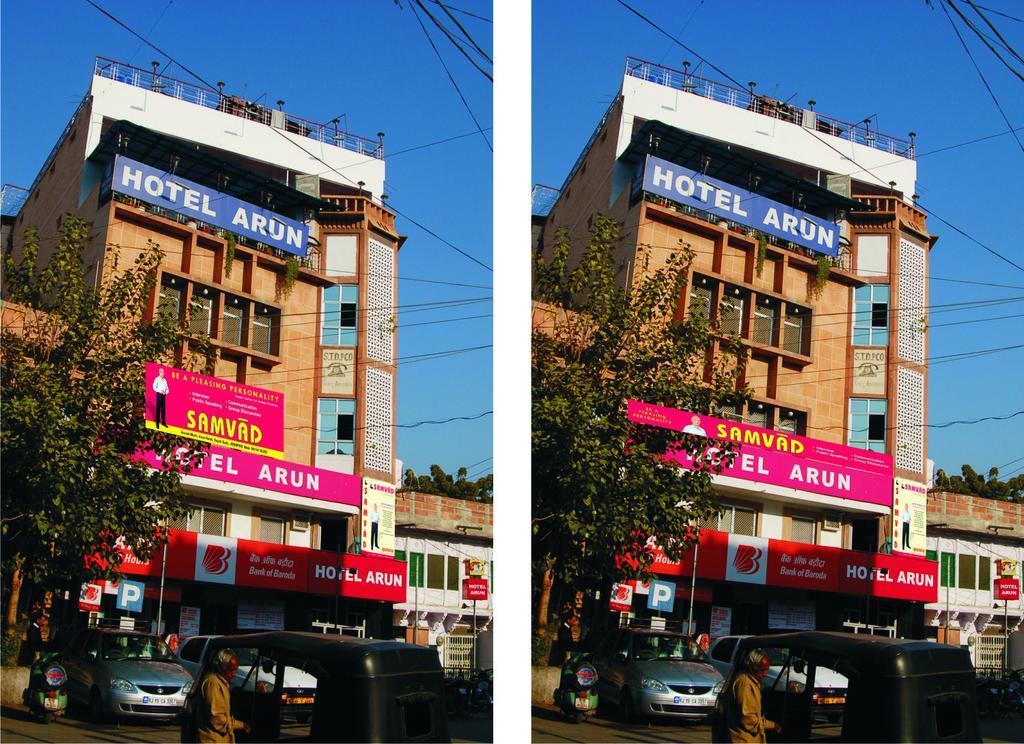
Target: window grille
(910, 404)
(792, 422)
(794, 337)
(272, 530)
(205, 519)
(380, 300)
(803, 530)
(730, 313)
(231, 325)
(263, 331)
(700, 299)
(764, 322)
(201, 312)
(758, 415)
(170, 301)
(377, 453)
(912, 300)
(744, 521)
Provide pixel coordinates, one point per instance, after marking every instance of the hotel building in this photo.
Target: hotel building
(808, 246)
(299, 299)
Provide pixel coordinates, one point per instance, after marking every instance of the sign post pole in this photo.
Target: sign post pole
(160, 602)
(693, 583)
(1006, 635)
(474, 634)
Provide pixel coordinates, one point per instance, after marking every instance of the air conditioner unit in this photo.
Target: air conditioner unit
(300, 523)
(833, 521)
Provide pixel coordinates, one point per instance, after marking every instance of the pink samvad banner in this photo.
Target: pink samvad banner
(215, 411)
(779, 458)
(243, 468)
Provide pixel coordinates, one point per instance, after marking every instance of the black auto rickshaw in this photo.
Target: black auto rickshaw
(898, 690)
(366, 690)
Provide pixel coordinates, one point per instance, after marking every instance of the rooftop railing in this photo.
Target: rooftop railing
(215, 99)
(687, 82)
(543, 199)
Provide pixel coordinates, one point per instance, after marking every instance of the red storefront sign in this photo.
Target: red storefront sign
(237, 562)
(724, 556)
(474, 589)
(1006, 589)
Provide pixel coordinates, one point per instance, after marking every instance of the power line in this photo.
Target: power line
(995, 30)
(450, 77)
(441, 142)
(464, 12)
(465, 32)
(984, 40)
(455, 43)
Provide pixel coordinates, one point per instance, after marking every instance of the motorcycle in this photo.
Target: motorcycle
(46, 696)
(481, 695)
(469, 696)
(576, 695)
(456, 696)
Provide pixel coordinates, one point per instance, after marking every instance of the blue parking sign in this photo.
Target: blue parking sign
(661, 596)
(129, 595)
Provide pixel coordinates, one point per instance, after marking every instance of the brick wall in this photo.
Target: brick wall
(972, 513)
(442, 514)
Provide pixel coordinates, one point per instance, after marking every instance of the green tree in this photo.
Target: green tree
(971, 482)
(601, 485)
(72, 357)
(443, 484)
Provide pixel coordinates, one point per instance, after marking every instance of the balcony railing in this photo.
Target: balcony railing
(311, 261)
(362, 205)
(687, 82)
(208, 98)
(843, 261)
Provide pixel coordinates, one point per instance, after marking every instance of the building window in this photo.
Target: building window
(453, 573)
(416, 569)
(758, 414)
(170, 300)
(232, 322)
(984, 573)
(803, 530)
(736, 519)
(792, 422)
(730, 311)
(272, 530)
(264, 323)
(967, 568)
(200, 313)
(336, 432)
(795, 336)
(765, 312)
(946, 573)
(871, 315)
(700, 298)
(728, 411)
(435, 571)
(209, 520)
(867, 424)
(339, 315)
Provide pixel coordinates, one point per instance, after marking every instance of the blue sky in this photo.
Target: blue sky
(369, 61)
(899, 60)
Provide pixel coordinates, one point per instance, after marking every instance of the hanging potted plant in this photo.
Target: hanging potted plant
(229, 252)
(762, 251)
(821, 276)
(291, 273)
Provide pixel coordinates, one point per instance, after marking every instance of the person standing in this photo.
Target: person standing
(743, 717)
(161, 388)
(214, 722)
(34, 636)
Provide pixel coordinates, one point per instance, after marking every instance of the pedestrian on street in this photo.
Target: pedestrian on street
(214, 722)
(566, 635)
(743, 716)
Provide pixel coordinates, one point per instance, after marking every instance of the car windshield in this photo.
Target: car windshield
(677, 648)
(126, 647)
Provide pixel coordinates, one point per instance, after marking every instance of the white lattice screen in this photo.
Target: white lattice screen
(379, 421)
(381, 314)
(911, 305)
(909, 420)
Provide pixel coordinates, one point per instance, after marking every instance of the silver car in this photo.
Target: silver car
(657, 673)
(122, 673)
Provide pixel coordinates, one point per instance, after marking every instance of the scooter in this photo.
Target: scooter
(576, 695)
(46, 696)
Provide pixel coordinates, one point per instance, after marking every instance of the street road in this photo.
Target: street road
(17, 726)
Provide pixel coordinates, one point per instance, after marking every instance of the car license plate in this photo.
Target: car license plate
(147, 700)
(831, 701)
(300, 701)
(51, 703)
(696, 701)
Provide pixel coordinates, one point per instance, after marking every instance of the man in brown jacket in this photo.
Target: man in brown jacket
(743, 717)
(214, 722)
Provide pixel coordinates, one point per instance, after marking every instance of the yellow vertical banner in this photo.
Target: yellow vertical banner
(378, 518)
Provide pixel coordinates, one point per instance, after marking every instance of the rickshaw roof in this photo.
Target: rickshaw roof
(869, 653)
(340, 653)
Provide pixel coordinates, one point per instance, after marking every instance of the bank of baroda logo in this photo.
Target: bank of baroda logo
(747, 559)
(215, 559)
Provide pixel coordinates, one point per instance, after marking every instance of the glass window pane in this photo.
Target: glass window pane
(347, 315)
(880, 315)
(453, 573)
(332, 293)
(328, 405)
(984, 573)
(350, 293)
(416, 569)
(347, 338)
(876, 427)
(435, 571)
(966, 572)
(346, 426)
(859, 405)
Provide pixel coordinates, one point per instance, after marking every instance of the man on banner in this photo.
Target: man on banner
(161, 388)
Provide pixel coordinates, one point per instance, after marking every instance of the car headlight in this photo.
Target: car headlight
(719, 687)
(187, 688)
(116, 683)
(649, 683)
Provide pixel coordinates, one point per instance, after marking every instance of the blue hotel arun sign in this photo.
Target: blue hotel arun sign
(166, 190)
(739, 205)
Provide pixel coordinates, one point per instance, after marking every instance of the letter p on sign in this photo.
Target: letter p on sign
(662, 596)
(129, 596)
